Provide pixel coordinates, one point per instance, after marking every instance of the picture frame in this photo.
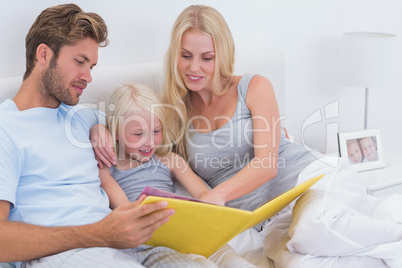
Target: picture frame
(363, 149)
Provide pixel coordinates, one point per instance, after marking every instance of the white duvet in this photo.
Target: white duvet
(336, 224)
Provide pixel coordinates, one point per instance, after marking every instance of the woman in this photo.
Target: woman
(229, 130)
(234, 128)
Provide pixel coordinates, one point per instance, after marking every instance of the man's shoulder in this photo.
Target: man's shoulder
(8, 105)
(78, 111)
(84, 115)
(7, 108)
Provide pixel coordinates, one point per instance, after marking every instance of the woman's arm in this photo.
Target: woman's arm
(261, 101)
(112, 188)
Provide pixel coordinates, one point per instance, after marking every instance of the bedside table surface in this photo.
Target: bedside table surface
(385, 181)
(391, 172)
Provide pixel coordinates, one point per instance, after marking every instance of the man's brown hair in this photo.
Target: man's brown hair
(63, 25)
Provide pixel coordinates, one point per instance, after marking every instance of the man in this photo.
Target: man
(52, 209)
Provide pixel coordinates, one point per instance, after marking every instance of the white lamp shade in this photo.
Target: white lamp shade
(368, 59)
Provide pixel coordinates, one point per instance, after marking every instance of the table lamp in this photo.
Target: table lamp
(368, 61)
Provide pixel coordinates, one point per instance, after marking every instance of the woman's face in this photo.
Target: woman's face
(196, 62)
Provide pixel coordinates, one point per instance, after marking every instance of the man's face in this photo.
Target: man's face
(66, 78)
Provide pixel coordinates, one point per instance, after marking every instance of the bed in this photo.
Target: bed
(267, 62)
(249, 244)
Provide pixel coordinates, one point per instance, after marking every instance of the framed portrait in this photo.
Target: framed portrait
(363, 149)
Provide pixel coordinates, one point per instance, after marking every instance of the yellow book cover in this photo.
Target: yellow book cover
(202, 228)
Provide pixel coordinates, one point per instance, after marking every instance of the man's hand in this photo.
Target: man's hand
(131, 225)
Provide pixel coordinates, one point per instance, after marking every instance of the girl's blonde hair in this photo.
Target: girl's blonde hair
(209, 21)
(127, 101)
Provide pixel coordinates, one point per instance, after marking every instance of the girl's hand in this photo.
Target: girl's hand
(103, 146)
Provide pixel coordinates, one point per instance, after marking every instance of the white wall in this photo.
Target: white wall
(308, 32)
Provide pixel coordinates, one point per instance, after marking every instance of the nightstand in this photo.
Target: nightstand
(385, 181)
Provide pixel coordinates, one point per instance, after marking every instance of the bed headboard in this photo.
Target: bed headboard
(267, 62)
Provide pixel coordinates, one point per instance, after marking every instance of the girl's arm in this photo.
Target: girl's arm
(186, 176)
(261, 101)
(112, 188)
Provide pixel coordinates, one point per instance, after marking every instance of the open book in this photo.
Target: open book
(202, 228)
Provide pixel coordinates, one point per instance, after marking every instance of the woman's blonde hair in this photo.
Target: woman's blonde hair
(209, 21)
(127, 101)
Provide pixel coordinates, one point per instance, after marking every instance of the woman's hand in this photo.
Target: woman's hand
(103, 146)
(214, 197)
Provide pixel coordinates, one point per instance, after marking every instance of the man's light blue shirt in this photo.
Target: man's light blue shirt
(48, 170)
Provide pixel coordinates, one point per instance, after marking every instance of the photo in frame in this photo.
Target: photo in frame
(363, 149)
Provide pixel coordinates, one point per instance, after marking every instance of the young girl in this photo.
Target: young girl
(354, 151)
(136, 120)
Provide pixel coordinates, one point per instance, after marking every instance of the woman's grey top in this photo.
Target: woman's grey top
(218, 155)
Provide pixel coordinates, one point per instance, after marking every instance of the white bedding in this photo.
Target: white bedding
(338, 222)
(249, 245)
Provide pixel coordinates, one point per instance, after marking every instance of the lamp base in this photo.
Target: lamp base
(366, 108)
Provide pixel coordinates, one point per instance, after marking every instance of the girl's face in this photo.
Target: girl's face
(369, 148)
(139, 136)
(196, 62)
(355, 153)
